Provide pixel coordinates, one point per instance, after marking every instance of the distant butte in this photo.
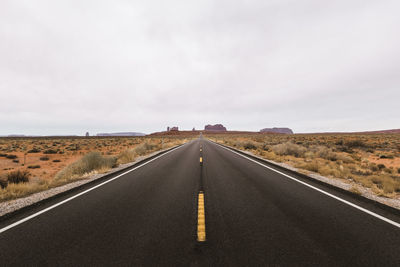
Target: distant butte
(216, 127)
(277, 130)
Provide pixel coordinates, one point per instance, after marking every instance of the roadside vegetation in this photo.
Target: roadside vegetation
(30, 165)
(367, 160)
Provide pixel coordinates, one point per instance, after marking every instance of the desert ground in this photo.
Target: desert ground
(368, 160)
(28, 165)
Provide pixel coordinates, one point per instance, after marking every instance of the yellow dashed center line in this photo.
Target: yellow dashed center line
(201, 159)
(201, 219)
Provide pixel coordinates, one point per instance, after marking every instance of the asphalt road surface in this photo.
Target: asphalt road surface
(254, 216)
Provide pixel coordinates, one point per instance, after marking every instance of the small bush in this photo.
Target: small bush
(355, 144)
(387, 170)
(56, 160)
(381, 166)
(3, 181)
(34, 150)
(361, 172)
(249, 145)
(45, 158)
(289, 149)
(386, 183)
(398, 170)
(312, 166)
(50, 151)
(355, 190)
(327, 153)
(344, 158)
(339, 143)
(374, 168)
(3, 155)
(3, 184)
(265, 147)
(15, 160)
(127, 156)
(18, 176)
(33, 166)
(88, 163)
(10, 156)
(130, 155)
(386, 157)
(143, 148)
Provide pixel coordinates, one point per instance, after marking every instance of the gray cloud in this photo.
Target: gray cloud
(71, 66)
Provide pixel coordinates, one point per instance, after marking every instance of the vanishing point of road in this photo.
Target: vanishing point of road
(203, 205)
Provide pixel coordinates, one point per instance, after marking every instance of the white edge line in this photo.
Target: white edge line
(81, 193)
(317, 189)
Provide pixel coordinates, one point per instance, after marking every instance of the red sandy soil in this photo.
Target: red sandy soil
(66, 146)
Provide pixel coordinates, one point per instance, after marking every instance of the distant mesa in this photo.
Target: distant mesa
(216, 127)
(175, 128)
(121, 134)
(277, 130)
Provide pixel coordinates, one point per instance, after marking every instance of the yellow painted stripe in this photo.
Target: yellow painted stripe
(201, 219)
(201, 159)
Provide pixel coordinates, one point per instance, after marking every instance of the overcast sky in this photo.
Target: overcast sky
(67, 67)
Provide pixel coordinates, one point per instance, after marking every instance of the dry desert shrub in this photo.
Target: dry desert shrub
(355, 190)
(144, 148)
(312, 166)
(249, 145)
(13, 191)
(88, 163)
(326, 153)
(130, 155)
(18, 176)
(34, 166)
(3, 181)
(386, 183)
(356, 143)
(126, 156)
(289, 149)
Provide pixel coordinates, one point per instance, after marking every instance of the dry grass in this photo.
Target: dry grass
(369, 160)
(18, 176)
(23, 189)
(289, 149)
(51, 162)
(93, 161)
(130, 155)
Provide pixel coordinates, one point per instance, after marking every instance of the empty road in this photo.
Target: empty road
(253, 216)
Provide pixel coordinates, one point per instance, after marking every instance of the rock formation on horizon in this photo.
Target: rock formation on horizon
(175, 128)
(216, 127)
(277, 130)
